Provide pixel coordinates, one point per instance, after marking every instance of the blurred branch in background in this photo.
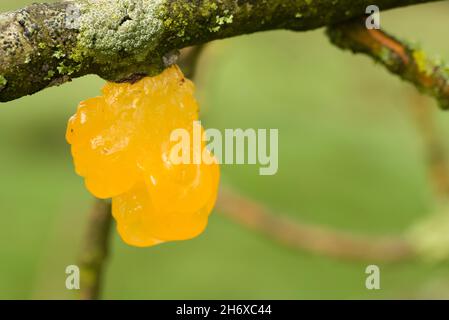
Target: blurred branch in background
(426, 238)
(430, 76)
(434, 149)
(430, 235)
(314, 239)
(95, 250)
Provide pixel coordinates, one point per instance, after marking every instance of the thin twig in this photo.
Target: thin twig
(434, 149)
(95, 252)
(310, 238)
(411, 64)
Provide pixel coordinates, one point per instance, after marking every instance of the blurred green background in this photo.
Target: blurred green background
(350, 157)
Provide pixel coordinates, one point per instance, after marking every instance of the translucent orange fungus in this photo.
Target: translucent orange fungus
(121, 144)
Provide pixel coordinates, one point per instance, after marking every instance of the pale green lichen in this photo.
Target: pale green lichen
(109, 27)
(67, 70)
(222, 20)
(3, 82)
(118, 38)
(225, 19)
(58, 54)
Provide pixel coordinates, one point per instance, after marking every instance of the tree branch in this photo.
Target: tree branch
(95, 251)
(48, 44)
(430, 76)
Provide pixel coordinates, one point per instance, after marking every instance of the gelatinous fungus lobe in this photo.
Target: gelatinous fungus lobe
(121, 144)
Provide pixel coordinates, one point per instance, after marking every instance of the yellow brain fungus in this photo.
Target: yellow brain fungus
(121, 145)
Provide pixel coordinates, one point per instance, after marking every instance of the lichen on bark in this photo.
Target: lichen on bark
(121, 37)
(29, 40)
(48, 44)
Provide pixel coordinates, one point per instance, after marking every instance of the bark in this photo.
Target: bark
(48, 44)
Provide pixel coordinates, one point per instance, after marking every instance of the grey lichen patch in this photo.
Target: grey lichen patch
(13, 41)
(110, 27)
(171, 58)
(33, 41)
(120, 37)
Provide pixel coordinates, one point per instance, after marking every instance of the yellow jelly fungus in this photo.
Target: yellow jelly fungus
(120, 144)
